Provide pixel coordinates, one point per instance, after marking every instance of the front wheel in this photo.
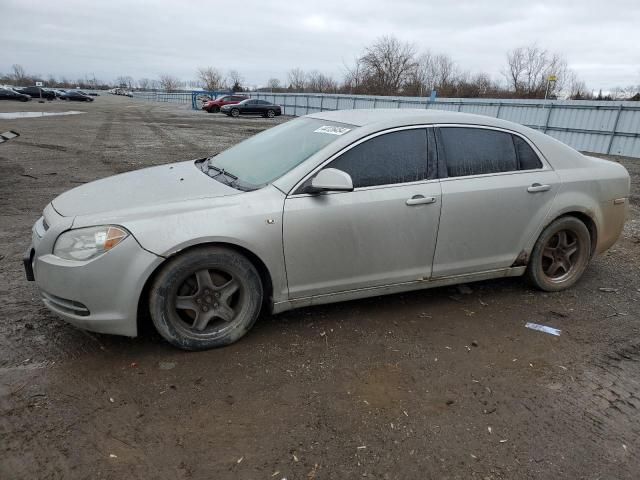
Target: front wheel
(235, 112)
(207, 297)
(271, 113)
(560, 256)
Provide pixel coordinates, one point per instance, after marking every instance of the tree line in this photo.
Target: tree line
(386, 67)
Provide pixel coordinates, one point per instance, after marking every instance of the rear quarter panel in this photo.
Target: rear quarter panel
(589, 185)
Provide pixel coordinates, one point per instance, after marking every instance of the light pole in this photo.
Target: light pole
(551, 82)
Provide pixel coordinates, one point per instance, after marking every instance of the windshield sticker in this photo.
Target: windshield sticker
(332, 130)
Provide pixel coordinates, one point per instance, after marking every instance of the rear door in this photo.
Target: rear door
(251, 106)
(381, 233)
(496, 192)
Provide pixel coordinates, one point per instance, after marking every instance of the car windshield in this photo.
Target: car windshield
(267, 156)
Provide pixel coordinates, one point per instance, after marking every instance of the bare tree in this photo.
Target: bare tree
(235, 80)
(144, 83)
(433, 72)
(211, 78)
(19, 75)
(576, 89)
(169, 83)
(297, 79)
(273, 83)
(528, 70)
(387, 65)
(320, 83)
(353, 78)
(125, 81)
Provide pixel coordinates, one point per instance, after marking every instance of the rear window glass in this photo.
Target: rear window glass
(477, 151)
(527, 158)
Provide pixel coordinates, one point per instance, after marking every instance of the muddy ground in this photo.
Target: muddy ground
(436, 384)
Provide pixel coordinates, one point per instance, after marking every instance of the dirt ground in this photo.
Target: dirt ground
(444, 383)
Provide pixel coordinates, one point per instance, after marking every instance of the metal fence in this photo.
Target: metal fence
(611, 127)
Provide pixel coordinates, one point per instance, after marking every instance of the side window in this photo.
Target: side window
(395, 157)
(475, 151)
(527, 158)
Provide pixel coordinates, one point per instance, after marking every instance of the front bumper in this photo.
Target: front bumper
(99, 295)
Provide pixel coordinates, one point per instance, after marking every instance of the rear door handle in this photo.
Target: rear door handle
(536, 187)
(420, 200)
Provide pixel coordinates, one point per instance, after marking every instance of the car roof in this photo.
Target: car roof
(390, 117)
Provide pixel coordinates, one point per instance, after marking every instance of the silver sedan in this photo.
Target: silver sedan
(328, 207)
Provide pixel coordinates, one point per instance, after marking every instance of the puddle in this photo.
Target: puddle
(14, 115)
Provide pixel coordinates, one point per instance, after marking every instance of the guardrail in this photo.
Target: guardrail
(611, 127)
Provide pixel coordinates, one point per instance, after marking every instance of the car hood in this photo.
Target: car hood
(141, 188)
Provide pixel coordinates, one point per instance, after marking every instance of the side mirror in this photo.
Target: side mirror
(331, 179)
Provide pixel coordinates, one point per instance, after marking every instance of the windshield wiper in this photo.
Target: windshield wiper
(221, 171)
(229, 178)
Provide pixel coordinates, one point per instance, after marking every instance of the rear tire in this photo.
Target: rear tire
(205, 298)
(560, 255)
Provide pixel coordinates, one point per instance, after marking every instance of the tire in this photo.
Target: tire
(215, 109)
(560, 256)
(227, 304)
(271, 113)
(235, 112)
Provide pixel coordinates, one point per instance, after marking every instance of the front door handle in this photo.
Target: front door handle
(420, 200)
(536, 187)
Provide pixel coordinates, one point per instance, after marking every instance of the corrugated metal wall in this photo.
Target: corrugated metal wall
(590, 126)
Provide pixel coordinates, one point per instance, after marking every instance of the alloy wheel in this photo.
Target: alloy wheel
(560, 255)
(208, 301)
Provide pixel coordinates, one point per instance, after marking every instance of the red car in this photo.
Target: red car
(213, 106)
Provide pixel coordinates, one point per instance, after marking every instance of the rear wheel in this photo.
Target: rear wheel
(560, 256)
(205, 298)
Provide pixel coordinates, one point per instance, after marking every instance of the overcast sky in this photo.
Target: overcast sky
(266, 38)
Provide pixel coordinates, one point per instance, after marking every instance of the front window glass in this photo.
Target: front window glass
(396, 157)
(267, 156)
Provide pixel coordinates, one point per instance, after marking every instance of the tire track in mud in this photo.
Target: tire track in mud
(603, 410)
(170, 138)
(101, 139)
(613, 386)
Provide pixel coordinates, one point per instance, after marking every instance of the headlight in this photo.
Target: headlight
(87, 243)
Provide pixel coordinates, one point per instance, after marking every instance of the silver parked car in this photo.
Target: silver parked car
(328, 207)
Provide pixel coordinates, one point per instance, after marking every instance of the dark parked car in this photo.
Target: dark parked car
(8, 94)
(252, 107)
(37, 92)
(76, 96)
(213, 106)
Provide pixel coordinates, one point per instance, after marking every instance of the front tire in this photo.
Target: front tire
(235, 112)
(271, 113)
(205, 298)
(560, 256)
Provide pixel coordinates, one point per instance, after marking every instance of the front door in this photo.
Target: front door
(382, 233)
